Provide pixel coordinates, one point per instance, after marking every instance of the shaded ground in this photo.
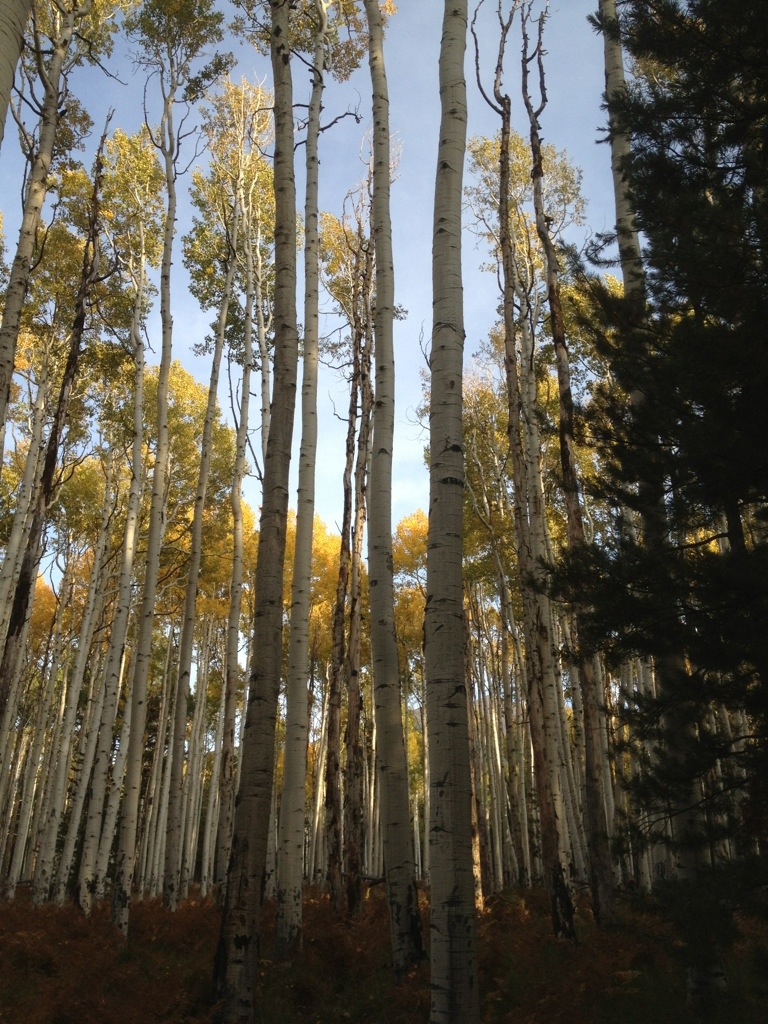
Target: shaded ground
(56, 967)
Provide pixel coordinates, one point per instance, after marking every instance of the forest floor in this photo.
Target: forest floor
(57, 967)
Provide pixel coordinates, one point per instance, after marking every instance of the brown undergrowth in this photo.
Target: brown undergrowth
(57, 967)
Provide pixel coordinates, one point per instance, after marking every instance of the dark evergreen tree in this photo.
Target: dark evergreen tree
(683, 423)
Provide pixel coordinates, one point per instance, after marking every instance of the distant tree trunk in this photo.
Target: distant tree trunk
(126, 853)
(227, 781)
(353, 770)
(238, 949)
(32, 780)
(173, 849)
(61, 768)
(13, 20)
(531, 541)
(453, 927)
(96, 767)
(600, 862)
(213, 804)
(359, 308)
(405, 922)
(46, 490)
(332, 766)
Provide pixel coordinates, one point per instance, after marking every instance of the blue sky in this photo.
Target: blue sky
(571, 121)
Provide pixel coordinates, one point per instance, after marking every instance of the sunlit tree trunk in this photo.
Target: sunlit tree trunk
(453, 928)
(32, 781)
(96, 763)
(14, 546)
(13, 20)
(46, 490)
(173, 849)
(238, 949)
(95, 599)
(232, 675)
(156, 530)
(193, 783)
(212, 805)
(34, 196)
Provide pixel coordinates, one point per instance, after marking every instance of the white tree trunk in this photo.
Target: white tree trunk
(115, 662)
(290, 864)
(13, 20)
(173, 852)
(453, 928)
(238, 950)
(156, 531)
(34, 197)
(44, 866)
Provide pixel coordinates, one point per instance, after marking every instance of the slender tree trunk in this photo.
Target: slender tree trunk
(332, 767)
(353, 769)
(25, 496)
(46, 491)
(228, 784)
(21, 268)
(290, 864)
(530, 527)
(45, 863)
(126, 855)
(453, 928)
(100, 748)
(173, 849)
(405, 922)
(238, 950)
(600, 861)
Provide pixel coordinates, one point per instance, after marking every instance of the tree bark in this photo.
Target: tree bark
(290, 865)
(46, 490)
(453, 927)
(238, 950)
(405, 922)
(14, 16)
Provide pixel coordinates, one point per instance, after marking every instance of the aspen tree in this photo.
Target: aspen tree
(531, 533)
(172, 41)
(95, 599)
(13, 20)
(353, 769)
(455, 997)
(45, 493)
(630, 255)
(238, 949)
(132, 186)
(173, 851)
(63, 37)
(290, 867)
(405, 923)
(348, 258)
(600, 864)
(255, 201)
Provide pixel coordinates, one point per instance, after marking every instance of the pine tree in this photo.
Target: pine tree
(688, 588)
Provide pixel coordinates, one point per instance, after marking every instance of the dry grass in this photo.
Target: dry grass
(56, 967)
